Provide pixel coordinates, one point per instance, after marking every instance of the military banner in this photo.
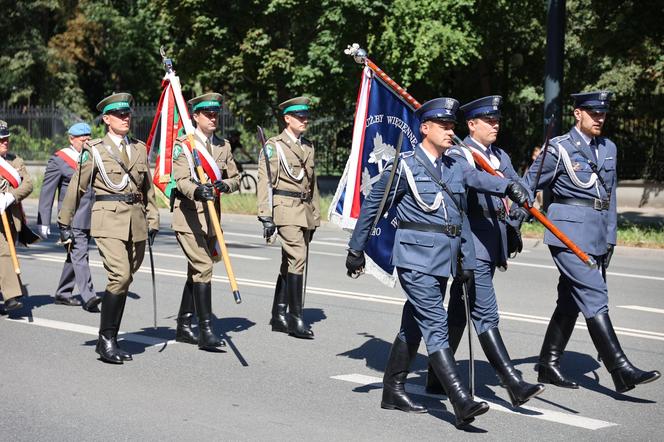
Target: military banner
(380, 116)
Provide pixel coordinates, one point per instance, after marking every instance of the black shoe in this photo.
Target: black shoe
(296, 326)
(519, 391)
(394, 392)
(433, 385)
(465, 408)
(625, 375)
(61, 300)
(107, 347)
(13, 304)
(207, 340)
(278, 321)
(556, 338)
(91, 305)
(183, 331)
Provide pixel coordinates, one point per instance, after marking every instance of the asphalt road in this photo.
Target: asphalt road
(268, 386)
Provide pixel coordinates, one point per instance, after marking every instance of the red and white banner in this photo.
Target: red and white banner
(70, 156)
(8, 172)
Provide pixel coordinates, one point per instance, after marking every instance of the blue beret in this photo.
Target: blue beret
(483, 107)
(443, 109)
(596, 100)
(78, 129)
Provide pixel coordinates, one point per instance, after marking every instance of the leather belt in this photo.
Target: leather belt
(447, 229)
(595, 203)
(129, 198)
(499, 213)
(304, 196)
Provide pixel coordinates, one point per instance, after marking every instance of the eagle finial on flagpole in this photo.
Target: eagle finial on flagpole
(168, 63)
(358, 54)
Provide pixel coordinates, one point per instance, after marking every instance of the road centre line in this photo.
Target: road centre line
(367, 297)
(537, 413)
(643, 309)
(232, 255)
(624, 275)
(342, 244)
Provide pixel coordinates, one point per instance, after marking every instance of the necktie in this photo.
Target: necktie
(437, 167)
(593, 149)
(208, 146)
(123, 153)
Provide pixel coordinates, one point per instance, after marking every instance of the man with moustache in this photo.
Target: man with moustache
(580, 171)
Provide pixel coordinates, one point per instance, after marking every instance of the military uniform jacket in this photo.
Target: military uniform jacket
(288, 162)
(432, 253)
(20, 193)
(488, 228)
(568, 174)
(57, 176)
(113, 219)
(191, 216)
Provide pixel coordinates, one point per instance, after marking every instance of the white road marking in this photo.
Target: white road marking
(87, 330)
(537, 413)
(358, 296)
(232, 255)
(343, 243)
(624, 275)
(643, 309)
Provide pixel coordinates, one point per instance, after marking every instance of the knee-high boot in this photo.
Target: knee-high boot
(433, 385)
(296, 326)
(203, 301)
(183, 332)
(118, 319)
(625, 375)
(556, 338)
(278, 321)
(398, 364)
(106, 344)
(494, 349)
(465, 408)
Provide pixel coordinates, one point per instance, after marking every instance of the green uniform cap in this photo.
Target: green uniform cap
(297, 106)
(210, 101)
(120, 101)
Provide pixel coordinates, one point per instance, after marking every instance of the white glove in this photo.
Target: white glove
(43, 230)
(6, 200)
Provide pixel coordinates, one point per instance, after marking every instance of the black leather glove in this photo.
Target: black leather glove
(222, 186)
(66, 236)
(355, 263)
(152, 234)
(519, 214)
(204, 193)
(517, 193)
(465, 276)
(514, 241)
(609, 254)
(269, 227)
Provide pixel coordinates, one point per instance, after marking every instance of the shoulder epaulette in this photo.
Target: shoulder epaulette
(455, 150)
(407, 154)
(559, 138)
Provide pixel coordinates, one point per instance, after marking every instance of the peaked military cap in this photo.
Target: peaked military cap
(116, 102)
(78, 129)
(483, 107)
(596, 100)
(443, 109)
(206, 102)
(297, 106)
(4, 129)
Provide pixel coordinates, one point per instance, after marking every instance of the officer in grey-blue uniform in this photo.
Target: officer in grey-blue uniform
(487, 214)
(76, 270)
(580, 171)
(432, 236)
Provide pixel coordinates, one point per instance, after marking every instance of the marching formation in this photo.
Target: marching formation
(457, 208)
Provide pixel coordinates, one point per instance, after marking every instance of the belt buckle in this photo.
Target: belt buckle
(605, 204)
(597, 204)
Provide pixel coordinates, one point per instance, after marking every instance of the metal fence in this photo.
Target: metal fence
(636, 125)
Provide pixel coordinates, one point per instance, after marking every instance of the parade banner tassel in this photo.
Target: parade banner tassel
(381, 116)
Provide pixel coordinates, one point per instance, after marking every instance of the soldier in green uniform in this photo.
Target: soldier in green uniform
(294, 212)
(191, 221)
(124, 213)
(15, 185)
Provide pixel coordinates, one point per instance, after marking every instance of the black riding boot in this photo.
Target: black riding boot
(625, 375)
(203, 301)
(118, 319)
(296, 326)
(433, 385)
(106, 345)
(494, 349)
(556, 338)
(279, 322)
(183, 331)
(394, 392)
(465, 408)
